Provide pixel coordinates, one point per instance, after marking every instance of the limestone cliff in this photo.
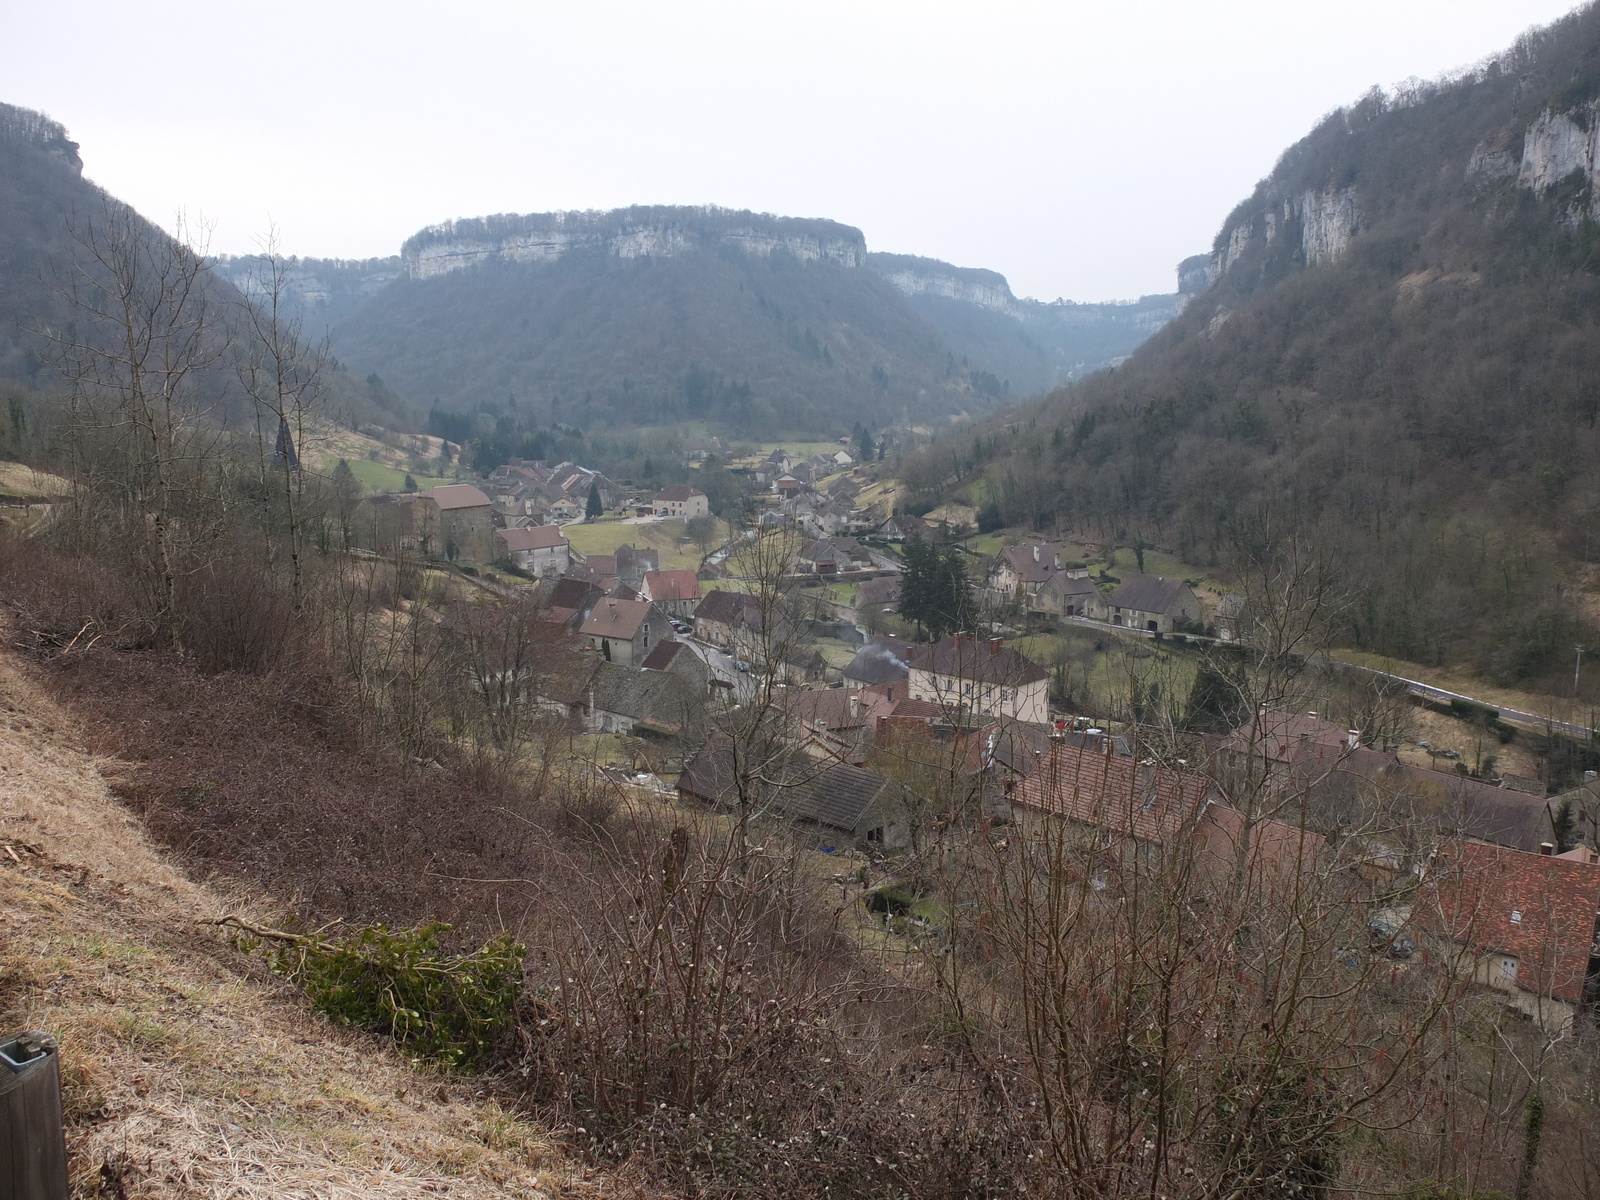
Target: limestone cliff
(639, 232)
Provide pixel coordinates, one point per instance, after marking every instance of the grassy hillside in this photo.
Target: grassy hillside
(187, 1069)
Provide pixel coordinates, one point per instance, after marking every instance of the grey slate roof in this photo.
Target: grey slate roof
(829, 794)
(1149, 593)
(661, 698)
(880, 661)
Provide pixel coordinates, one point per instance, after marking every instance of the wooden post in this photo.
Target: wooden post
(33, 1148)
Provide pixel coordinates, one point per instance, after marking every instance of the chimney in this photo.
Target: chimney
(995, 644)
(1036, 554)
(1352, 738)
(1547, 848)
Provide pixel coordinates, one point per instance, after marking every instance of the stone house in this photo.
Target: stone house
(624, 630)
(733, 621)
(1071, 594)
(1154, 603)
(1018, 572)
(539, 549)
(677, 592)
(623, 700)
(981, 676)
(1527, 921)
(457, 523)
(833, 556)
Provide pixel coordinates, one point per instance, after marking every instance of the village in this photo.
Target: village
(786, 637)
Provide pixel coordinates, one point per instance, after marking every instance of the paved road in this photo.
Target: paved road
(1509, 715)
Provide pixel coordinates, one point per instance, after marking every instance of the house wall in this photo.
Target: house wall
(695, 506)
(1030, 702)
(554, 560)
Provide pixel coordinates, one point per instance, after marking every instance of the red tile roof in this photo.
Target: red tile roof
(1146, 802)
(618, 619)
(1539, 907)
(672, 585)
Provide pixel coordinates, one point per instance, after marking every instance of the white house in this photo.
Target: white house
(541, 549)
(681, 500)
(980, 675)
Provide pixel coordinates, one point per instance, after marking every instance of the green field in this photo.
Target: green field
(605, 535)
(376, 477)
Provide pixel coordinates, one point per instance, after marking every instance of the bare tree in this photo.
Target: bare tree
(136, 363)
(286, 378)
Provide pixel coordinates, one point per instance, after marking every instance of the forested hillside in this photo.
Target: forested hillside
(53, 225)
(678, 320)
(753, 323)
(41, 187)
(1397, 352)
(1021, 347)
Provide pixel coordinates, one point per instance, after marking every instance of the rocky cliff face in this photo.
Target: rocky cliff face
(321, 290)
(915, 276)
(1558, 147)
(641, 232)
(1318, 222)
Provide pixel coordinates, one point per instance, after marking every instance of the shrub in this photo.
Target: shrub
(453, 1009)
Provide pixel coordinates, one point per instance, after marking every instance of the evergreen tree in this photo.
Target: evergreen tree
(933, 590)
(1566, 828)
(593, 508)
(410, 484)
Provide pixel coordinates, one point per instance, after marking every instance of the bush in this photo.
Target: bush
(453, 1009)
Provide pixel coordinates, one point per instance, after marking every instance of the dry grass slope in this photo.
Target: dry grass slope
(187, 1071)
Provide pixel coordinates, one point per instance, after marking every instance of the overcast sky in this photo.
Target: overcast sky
(1082, 148)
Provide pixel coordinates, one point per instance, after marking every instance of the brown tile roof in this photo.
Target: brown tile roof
(537, 537)
(457, 495)
(618, 619)
(601, 564)
(978, 660)
(573, 594)
(672, 585)
(723, 606)
(662, 654)
(1538, 907)
(1144, 801)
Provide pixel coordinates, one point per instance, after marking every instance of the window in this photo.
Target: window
(1005, 695)
(1516, 916)
(967, 689)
